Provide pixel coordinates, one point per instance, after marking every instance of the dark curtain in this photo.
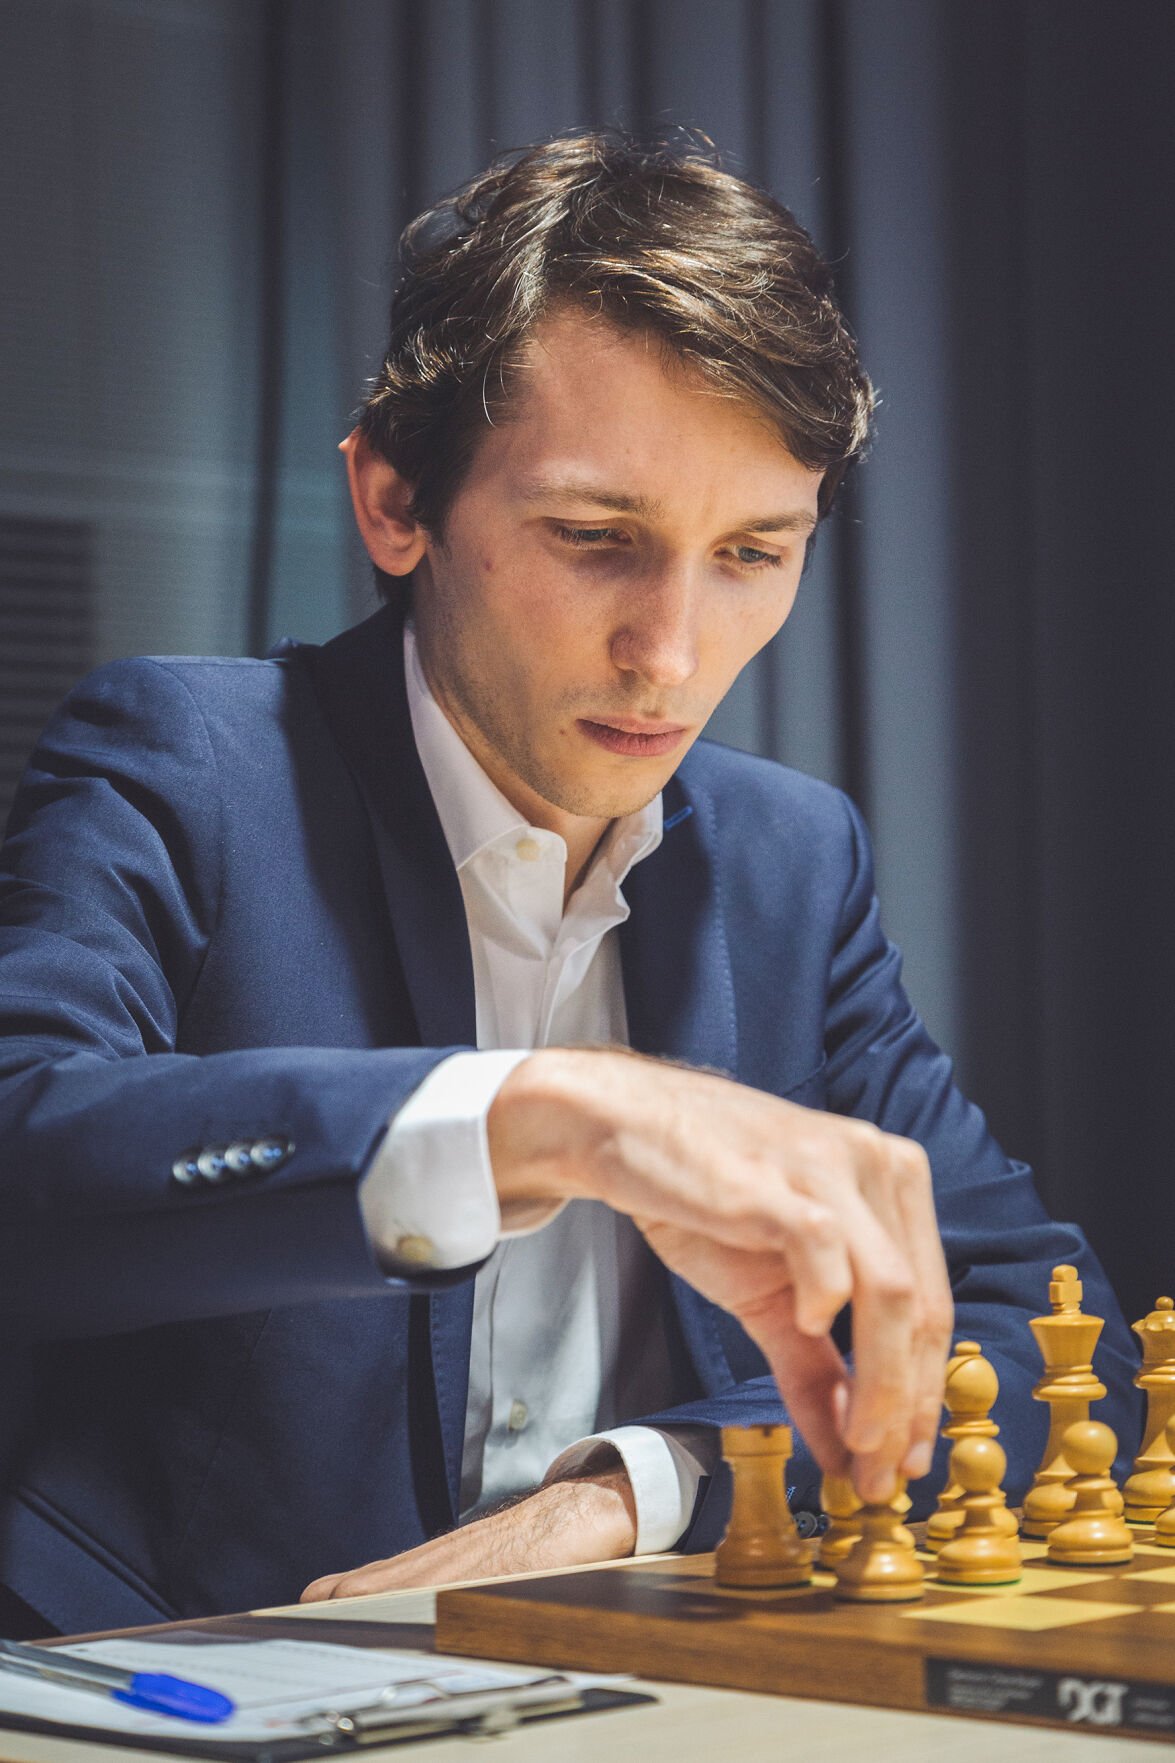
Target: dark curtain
(1063, 288)
(980, 650)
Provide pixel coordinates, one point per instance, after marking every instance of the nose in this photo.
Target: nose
(656, 635)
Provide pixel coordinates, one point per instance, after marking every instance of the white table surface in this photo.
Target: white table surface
(685, 1725)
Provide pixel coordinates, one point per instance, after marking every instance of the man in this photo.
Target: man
(349, 1244)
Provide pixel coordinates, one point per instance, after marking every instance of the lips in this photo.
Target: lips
(629, 737)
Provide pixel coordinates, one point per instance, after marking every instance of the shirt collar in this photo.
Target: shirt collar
(473, 812)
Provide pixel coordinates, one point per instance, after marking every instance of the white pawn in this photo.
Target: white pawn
(1094, 1534)
(981, 1552)
(881, 1567)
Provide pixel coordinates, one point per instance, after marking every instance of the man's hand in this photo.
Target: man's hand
(780, 1214)
(564, 1524)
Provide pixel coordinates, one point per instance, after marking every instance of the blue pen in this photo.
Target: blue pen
(153, 1690)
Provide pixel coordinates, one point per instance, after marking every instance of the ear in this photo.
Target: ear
(382, 500)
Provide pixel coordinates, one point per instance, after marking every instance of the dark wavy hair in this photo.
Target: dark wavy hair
(653, 236)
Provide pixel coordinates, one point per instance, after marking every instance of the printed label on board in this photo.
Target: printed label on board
(1098, 1704)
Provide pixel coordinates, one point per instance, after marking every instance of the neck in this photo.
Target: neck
(580, 833)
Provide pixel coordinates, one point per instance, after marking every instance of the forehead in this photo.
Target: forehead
(588, 397)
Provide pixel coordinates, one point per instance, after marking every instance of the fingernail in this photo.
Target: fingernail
(918, 1461)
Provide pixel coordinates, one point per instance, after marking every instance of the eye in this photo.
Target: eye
(750, 557)
(590, 535)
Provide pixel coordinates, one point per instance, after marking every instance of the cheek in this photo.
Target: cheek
(740, 633)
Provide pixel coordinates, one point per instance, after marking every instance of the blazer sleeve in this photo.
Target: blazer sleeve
(1000, 1243)
(109, 890)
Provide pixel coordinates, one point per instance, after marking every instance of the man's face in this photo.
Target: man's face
(621, 547)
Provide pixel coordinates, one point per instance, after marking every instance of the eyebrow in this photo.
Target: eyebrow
(796, 520)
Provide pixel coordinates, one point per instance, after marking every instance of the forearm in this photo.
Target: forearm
(570, 1523)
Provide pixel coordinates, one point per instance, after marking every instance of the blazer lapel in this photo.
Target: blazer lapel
(360, 678)
(679, 991)
(361, 686)
(678, 984)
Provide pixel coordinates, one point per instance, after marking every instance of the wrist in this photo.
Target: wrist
(592, 1514)
(546, 1124)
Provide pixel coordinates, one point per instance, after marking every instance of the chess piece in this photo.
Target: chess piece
(1094, 1534)
(982, 1551)
(1066, 1338)
(1150, 1490)
(840, 1501)
(881, 1567)
(1165, 1522)
(971, 1389)
(762, 1546)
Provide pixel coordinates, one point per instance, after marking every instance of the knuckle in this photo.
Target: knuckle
(912, 1165)
(939, 1323)
(821, 1228)
(893, 1287)
(867, 1140)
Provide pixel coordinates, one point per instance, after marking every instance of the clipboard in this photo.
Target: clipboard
(406, 1697)
(589, 1701)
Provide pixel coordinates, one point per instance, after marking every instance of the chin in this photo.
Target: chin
(607, 802)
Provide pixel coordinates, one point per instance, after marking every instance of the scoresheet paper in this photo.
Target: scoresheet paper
(279, 1686)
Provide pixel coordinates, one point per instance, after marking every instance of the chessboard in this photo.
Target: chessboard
(1082, 1648)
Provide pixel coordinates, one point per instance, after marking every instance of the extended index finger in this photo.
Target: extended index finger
(935, 1304)
(881, 1408)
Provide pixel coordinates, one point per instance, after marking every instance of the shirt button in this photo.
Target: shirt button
(528, 849)
(518, 1416)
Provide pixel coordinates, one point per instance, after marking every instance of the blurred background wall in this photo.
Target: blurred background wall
(198, 209)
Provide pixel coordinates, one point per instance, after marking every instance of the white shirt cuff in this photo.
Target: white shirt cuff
(428, 1200)
(664, 1471)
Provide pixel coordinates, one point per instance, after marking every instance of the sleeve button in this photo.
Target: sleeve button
(417, 1251)
(186, 1170)
(270, 1153)
(239, 1158)
(211, 1163)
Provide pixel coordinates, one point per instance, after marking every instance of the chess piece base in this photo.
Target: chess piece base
(1048, 1504)
(943, 1527)
(1113, 1547)
(1148, 1492)
(880, 1575)
(1052, 1504)
(1164, 1535)
(987, 1561)
(764, 1578)
(882, 1593)
(1119, 1557)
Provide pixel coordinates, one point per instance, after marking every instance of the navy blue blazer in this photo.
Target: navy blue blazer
(228, 917)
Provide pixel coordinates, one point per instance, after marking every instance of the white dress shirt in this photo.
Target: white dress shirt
(564, 1345)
